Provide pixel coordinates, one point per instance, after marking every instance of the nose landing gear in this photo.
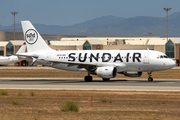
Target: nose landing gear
(150, 79)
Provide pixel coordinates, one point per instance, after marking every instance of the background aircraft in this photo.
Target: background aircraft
(13, 59)
(103, 63)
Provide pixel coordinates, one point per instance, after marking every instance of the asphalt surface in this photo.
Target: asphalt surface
(97, 84)
(34, 67)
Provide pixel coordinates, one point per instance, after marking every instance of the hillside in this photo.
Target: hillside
(112, 26)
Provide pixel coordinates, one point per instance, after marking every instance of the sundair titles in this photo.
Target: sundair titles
(106, 57)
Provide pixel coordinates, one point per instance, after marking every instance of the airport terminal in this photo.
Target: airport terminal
(171, 47)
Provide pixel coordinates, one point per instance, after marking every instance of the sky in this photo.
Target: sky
(69, 12)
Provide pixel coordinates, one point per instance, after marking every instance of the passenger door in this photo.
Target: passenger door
(146, 58)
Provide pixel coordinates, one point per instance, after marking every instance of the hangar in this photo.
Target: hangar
(3, 45)
(13, 46)
(70, 45)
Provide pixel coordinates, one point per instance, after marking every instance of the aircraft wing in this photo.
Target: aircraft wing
(27, 55)
(88, 66)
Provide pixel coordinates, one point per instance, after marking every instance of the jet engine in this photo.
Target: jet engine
(106, 72)
(133, 74)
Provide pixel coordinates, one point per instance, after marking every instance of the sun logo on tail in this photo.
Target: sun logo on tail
(31, 36)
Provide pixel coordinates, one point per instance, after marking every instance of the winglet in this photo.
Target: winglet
(22, 49)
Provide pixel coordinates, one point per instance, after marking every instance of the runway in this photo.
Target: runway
(97, 84)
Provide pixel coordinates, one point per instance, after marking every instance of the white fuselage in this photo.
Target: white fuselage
(8, 60)
(123, 60)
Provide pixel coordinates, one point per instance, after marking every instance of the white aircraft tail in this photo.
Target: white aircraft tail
(22, 49)
(34, 41)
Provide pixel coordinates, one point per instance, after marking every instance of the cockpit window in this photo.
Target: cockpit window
(165, 56)
(162, 56)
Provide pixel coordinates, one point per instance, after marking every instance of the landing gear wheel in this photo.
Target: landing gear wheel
(150, 79)
(106, 79)
(88, 78)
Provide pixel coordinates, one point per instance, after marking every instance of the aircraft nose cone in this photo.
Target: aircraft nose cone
(171, 64)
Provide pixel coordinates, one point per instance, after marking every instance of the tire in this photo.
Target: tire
(150, 79)
(106, 79)
(88, 78)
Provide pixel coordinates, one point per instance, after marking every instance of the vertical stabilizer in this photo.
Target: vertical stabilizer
(34, 41)
(22, 49)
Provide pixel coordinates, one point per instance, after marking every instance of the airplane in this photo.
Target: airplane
(13, 59)
(103, 63)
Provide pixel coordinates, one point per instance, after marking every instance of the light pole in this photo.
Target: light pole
(14, 13)
(167, 9)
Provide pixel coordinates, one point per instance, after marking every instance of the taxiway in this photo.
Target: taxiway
(97, 84)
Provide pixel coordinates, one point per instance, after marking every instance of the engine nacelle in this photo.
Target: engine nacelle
(133, 74)
(106, 72)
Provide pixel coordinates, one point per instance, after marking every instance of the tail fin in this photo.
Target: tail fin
(22, 49)
(34, 41)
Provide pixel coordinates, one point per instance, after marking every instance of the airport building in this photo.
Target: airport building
(170, 47)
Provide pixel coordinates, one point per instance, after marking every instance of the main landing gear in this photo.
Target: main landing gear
(150, 79)
(88, 78)
(105, 79)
